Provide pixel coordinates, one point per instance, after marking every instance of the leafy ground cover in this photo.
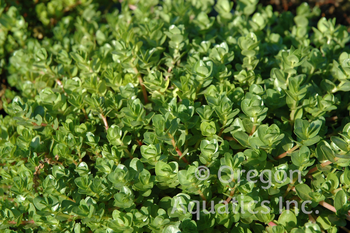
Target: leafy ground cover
(173, 116)
(338, 9)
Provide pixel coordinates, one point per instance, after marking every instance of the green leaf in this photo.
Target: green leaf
(242, 138)
(208, 128)
(340, 200)
(303, 191)
(288, 219)
(346, 176)
(41, 54)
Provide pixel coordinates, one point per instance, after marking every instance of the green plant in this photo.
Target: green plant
(113, 114)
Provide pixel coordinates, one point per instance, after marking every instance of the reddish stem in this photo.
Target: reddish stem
(169, 70)
(228, 138)
(201, 194)
(178, 151)
(23, 222)
(332, 118)
(253, 130)
(105, 121)
(328, 206)
(314, 169)
(86, 117)
(132, 7)
(272, 224)
(144, 92)
(139, 142)
(287, 152)
(61, 86)
(220, 133)
(311, 218)
(285, 5)
(230, 197)
(42, 124)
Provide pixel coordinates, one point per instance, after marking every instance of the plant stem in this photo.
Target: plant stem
(142, 85)
(272, 224)
(253, 130)
(328, 206)
(86, 117)
(178, 151)
(287, 152)
(292, 115)
(311, 218)
(337, 190)
(139, 142)
(335, 118)
(61, 86)
(290, 186)
(169, 70)
(223, 127)
(220, 133)
(345, 229)
(199, 191)
(128, 152)
(22, 222)
(202, 195)
(314, 169)
(228, 138)
(132, 7)
(198, 88)
(230, 197)
(310, 75)
(105, 121)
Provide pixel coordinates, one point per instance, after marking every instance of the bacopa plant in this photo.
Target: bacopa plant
(173, 116)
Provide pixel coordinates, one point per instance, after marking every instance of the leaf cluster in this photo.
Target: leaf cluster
(115, 105)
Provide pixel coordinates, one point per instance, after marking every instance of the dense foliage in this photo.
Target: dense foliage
(113, 109)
